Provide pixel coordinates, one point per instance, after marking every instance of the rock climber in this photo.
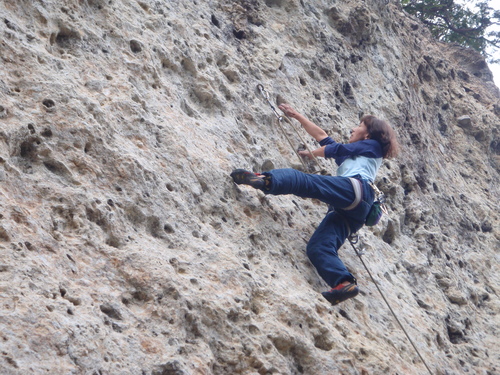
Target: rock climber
(349, 194)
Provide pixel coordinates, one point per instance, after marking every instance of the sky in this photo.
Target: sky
(495, 69)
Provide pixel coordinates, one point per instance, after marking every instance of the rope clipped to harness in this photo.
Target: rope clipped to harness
(281, 118)
(353, 240)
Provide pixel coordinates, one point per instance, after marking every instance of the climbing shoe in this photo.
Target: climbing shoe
(341, 293)
(243, 177)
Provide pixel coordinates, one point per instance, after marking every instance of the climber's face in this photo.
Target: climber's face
(359, 133)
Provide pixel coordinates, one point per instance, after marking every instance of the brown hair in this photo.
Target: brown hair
(382, 132)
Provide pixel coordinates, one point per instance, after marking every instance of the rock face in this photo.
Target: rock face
(125, 247)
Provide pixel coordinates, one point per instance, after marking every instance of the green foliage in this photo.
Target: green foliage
(470, 25)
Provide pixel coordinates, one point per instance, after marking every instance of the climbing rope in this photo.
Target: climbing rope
(280, 118)
(353, 240)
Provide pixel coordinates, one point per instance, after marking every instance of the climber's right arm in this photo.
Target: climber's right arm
(314, 130)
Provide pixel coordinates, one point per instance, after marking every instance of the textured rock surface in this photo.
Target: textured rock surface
(126, 249)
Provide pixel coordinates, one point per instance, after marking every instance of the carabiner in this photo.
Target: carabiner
(265, 94)
(353, 239)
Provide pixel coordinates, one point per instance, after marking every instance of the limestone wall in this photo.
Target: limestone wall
(125, 248)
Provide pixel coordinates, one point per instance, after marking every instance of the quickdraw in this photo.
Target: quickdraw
(265, 94)
(282, 118)
(380, 197)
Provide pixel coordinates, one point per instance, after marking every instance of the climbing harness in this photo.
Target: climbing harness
(353, 240)
(358, 194)
(281, 118)
(377, 208)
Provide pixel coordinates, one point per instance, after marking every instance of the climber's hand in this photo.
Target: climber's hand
(306, 154)
(288, 110)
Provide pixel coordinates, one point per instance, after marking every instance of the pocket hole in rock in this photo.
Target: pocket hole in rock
(49, 103)
(29, 148)
(47, 132)
(239, 34)
(135, 46)
(215, 21)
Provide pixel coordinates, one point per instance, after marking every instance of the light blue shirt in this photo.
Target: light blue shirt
(360, 165)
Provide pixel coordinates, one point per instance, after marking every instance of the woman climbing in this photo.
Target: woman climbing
(349, 194)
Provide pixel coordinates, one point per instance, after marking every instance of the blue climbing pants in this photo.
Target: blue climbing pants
(331, 233)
